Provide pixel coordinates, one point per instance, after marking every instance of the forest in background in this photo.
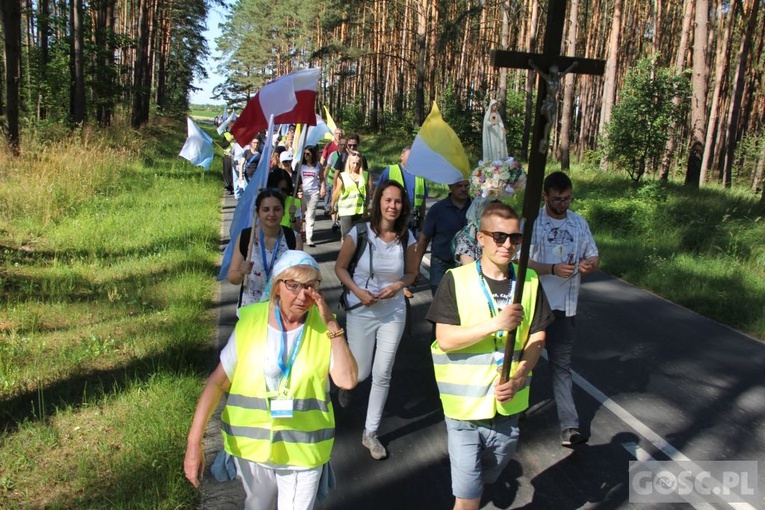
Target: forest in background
(73, 62)
(700, 111)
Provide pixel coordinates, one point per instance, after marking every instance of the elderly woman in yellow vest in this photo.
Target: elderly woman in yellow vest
(352, 188)
(474, 315)
(278, 423)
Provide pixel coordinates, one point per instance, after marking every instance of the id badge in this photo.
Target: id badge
(499, 358)
(282, 408)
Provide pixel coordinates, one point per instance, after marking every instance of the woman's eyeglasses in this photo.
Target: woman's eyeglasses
(501, 237)
(295, 287)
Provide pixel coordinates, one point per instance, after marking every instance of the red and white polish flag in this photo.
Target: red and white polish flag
(290, 99)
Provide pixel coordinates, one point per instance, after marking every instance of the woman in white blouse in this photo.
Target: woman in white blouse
(376, 305)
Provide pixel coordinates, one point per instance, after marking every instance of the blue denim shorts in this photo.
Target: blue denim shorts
(479, 451)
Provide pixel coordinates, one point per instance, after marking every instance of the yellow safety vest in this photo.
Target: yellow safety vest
(288, 202)
(230, 139)
(466, 377)
(353, 198)
(395, 174)
(249, 432)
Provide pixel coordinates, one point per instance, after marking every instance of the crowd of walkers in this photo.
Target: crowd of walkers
(289, 358)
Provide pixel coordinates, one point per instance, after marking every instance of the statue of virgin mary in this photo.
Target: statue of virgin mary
(494, 141)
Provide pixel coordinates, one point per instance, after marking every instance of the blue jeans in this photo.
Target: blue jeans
(239, 187)
(438, 269)
(561, 335)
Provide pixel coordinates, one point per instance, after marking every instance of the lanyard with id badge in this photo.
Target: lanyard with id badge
(283, 405)
(499, 354)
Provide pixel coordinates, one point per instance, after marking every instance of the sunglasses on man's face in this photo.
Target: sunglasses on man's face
(353, 145)
(501, 237)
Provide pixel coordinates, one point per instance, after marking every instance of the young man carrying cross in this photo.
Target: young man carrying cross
(473, 315)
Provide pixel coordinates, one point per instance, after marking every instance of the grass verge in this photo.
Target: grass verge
(108, 254)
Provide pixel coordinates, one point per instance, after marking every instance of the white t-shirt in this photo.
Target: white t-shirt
(388, 268)
(310, 177)
(271, 369)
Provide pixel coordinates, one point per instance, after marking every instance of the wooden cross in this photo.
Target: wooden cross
(548, 65)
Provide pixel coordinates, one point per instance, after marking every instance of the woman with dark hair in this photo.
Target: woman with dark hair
(271, 241)
(376, 305)
(278, 422)
(313, 189)
(293, 217)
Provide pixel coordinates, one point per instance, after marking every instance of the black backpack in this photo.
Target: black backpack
(362, 241)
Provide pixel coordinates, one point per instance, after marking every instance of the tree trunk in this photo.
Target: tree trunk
(738, 93)
(568, 91)
(699, 99)
(419, 91)
(77, 64)
(721, 66)
(609, 80)
(682, 48)
(531, 78)
(141, 64)
(10, 11)
(757, 183)
(44, 33)
(502, 88)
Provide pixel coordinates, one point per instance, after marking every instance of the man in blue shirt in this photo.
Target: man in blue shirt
(442, 223)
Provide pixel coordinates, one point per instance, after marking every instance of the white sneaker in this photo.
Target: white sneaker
(375, 446)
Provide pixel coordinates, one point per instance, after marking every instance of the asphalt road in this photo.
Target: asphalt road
(654, 380)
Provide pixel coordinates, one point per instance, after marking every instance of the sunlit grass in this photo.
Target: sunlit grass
(105, 321)
(703, 249)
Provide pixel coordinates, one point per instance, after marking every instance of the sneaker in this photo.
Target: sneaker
(335, 227)
(311, 244)
(344, 398)
(572, 436)
(376, 448)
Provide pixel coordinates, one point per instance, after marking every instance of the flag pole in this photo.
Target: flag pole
(266, 154)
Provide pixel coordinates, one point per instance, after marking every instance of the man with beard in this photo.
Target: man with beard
(562, 250)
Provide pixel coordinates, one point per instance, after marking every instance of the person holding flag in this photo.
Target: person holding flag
(257, 253)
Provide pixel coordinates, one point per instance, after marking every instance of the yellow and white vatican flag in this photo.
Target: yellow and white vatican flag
(437, 153)
(330, 121)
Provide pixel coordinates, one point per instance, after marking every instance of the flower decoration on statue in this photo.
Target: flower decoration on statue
(490, 181)
(497, 179)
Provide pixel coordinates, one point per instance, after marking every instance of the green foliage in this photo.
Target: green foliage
(351, 116)
(701, 248)
(261, 40)
(514, 121)
(639, 128)
(461, 119)
(188, 48)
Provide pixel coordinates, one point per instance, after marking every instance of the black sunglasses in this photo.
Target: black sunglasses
(352, 145)
(501, 237)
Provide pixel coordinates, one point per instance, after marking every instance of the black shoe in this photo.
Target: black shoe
(335, 227)
(572, 436)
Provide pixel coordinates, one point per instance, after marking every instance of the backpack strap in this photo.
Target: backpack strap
(362, 240)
